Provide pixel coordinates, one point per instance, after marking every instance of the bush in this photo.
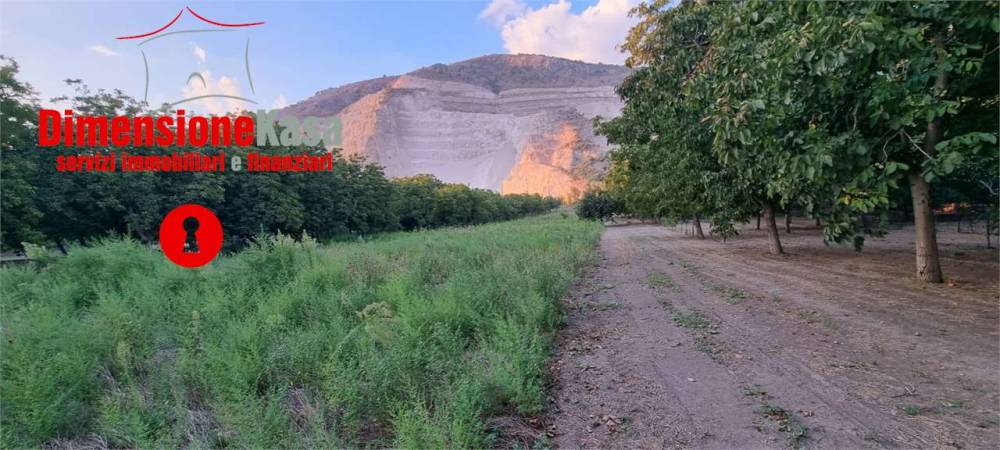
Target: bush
(596, 205)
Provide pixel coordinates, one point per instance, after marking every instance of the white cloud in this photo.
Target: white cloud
(593, 35)
(279, 102)
(199, 53)
(102, 50)
(214, 105)
(499, 11)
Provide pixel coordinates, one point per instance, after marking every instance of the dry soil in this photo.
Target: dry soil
(673, 341)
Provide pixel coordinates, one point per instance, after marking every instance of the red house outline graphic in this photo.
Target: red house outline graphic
(161, 32)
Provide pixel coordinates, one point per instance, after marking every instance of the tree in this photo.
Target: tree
(934, 94)
(596, 205)
(42, 205)
(414, 201)
(660, 130)
(821, 106)
(18, 110)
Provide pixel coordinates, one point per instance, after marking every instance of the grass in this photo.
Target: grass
(414, 340)
(817, 317)
(657, 280)
(731, 295)
(912, 410)
(692, 319)
(699, 325)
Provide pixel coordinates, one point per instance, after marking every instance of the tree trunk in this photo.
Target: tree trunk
(697, 227)
(988, 225)
(788, 222)
(928, 264)
(62, 246)
(772, 229)
(758, 221)
(818, 223)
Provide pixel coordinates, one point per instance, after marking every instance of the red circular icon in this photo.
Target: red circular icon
(191, 235)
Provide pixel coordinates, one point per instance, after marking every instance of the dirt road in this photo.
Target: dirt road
(673, 341)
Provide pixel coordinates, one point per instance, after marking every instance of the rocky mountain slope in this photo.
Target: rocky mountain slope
(513, 123)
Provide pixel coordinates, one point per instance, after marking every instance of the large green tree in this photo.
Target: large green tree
(22, 218)
(824, 106)
(661, 132)
(930, 102)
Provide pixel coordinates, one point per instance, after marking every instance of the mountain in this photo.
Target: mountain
(512, 123)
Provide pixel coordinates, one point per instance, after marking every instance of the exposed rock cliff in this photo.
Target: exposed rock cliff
(514, 123)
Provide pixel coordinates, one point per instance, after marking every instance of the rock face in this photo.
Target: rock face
(513, 123)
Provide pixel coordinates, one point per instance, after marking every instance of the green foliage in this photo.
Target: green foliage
(693, 319)
(820, 106)
(41, 205)
(596, 205)
(414, 340)
(22, 218)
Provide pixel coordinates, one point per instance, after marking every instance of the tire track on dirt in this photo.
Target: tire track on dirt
(888, 337)
(793, 382)
(668, 391)
(646, 381)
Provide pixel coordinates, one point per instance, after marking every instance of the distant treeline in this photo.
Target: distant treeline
(42, 206)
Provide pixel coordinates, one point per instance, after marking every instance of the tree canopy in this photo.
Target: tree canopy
(827, 107)
(41, 205)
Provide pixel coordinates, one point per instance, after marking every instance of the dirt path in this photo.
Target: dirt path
(679, 342)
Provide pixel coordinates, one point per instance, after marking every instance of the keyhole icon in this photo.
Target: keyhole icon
(191, 225)
(190, 235)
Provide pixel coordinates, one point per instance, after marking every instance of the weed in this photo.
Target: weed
(606, 306)
(953, 404)
(912, 410)
(657, 280)
(710, 347)
(731, 295)
(850, 365)
(693, 319)
(788, 422)
(755, 390)
(817, 317)
(873, 436)
(691, 268)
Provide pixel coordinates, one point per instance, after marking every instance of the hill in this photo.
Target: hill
(512, 123)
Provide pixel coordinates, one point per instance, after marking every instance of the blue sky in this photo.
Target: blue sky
(302, 48)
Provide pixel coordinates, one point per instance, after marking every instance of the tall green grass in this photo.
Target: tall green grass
(412, 341)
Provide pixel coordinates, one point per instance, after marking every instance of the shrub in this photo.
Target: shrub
(596, 205)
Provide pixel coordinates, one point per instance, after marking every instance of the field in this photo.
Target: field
(675, 342)
(411, 340)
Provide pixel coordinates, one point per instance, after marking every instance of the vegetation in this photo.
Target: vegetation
(413, 340)
(692, 319)
(738, 108)
(43, 206)
(596, 205)
(796, 432)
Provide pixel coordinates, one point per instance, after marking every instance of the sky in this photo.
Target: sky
(302, 47)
